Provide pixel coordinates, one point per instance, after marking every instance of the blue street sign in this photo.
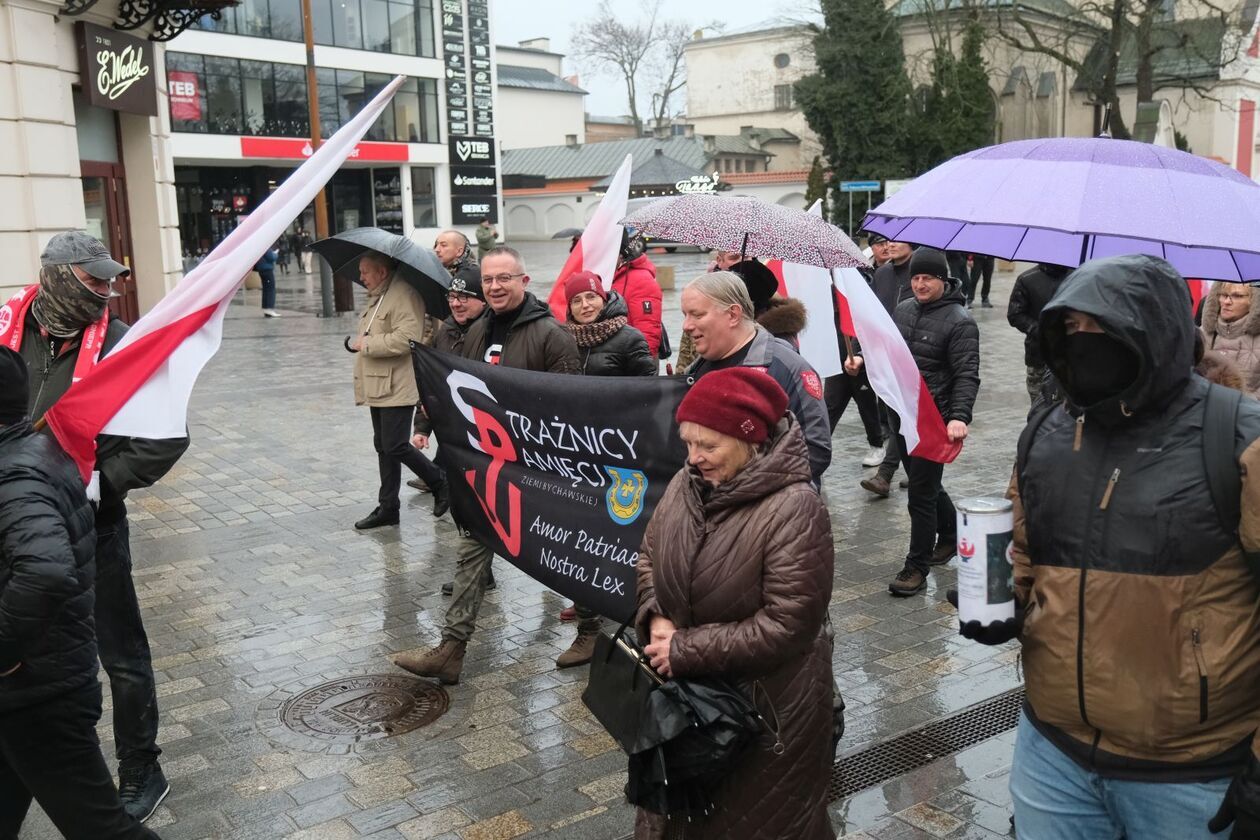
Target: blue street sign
(859, 186)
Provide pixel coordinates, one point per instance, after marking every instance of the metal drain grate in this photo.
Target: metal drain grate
(917, 748)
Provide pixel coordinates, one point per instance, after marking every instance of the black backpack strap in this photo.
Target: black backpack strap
(1220, 425)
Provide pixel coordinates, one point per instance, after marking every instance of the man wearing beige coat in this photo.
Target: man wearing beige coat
(385, 381)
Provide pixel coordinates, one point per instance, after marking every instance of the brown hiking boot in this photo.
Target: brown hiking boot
(579, 653)
(944, 551)
(878, 485)
(908, 581)
(443, 663)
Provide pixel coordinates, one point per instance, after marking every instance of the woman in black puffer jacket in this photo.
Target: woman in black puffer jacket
(607, 344)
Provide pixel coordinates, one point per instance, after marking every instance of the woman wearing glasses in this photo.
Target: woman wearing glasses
(1231, 327)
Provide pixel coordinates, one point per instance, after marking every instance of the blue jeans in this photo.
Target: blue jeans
(268, 287)
(1056, 799)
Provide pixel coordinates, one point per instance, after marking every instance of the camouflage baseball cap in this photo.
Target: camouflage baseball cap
(74, 247)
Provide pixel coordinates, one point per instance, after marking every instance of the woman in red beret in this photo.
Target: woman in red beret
(734, 579)
(607, 344)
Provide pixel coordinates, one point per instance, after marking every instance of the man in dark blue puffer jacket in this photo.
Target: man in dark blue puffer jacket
(50, 698)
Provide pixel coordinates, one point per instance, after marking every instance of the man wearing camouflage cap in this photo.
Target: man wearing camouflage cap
(62, 327)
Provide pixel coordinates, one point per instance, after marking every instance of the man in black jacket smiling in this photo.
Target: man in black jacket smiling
(946, 346)
(50, 699)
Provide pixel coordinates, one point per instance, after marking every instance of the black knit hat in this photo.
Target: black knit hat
(929, 261)
(467, 279)
(761, 282)
(14, 387)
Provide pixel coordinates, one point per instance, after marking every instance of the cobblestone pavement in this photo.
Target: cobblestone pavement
(254, 584)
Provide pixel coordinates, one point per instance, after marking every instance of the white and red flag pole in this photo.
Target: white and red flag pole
(893, 373)
(141, 388)
(600, 244)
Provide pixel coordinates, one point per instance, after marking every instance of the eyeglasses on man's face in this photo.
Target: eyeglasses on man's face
(458, 297)
(503, 279)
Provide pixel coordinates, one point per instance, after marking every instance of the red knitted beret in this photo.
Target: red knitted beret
(583, 281)
(740, 402)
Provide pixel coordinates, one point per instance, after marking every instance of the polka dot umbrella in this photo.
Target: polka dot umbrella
(749, 225)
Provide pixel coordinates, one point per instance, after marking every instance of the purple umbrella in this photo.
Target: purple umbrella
(1071, 199)
(750, 226)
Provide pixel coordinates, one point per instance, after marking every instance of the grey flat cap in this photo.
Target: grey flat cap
(74, 247)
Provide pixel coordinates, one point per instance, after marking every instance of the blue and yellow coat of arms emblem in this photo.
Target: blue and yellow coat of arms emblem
(626, 489)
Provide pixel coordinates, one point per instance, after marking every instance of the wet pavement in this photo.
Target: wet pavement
(255, 588)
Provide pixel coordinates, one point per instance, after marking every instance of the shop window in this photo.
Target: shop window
(376, 25)
(287, 115)
(423, 199)
(231, 96)
(407, 121)
(347, 24)
(286, 19)
(223, 96)
(404, 27)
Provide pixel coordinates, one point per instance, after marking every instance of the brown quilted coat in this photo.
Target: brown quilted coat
(744, 570)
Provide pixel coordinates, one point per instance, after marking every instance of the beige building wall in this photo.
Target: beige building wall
(40, 189)
(731, 82)
(527, 118)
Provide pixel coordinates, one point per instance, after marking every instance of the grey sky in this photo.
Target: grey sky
(518, 20)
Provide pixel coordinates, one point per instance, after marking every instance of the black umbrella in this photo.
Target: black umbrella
(419, 266)
(567, 233)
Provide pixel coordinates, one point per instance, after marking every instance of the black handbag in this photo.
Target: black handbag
(620, 683)
(692, 735)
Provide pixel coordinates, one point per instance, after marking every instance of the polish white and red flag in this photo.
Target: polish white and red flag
(825, 310)
(141, 388)
(893, 373)
(600, 244)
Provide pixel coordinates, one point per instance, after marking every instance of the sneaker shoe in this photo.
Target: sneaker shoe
(984, 304)
(876, 484)
(874, 458)
(908, 582)
(142, 789)
(270, 313)
(944, 551)
(579, 653)
(376, 519)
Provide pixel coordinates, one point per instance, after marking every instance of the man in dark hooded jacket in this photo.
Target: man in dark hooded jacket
(1032, 291)
(946, 347)
(1139, 601)
(50, 699)
(65, 327)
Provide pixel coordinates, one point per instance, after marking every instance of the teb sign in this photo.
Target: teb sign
(116, 70)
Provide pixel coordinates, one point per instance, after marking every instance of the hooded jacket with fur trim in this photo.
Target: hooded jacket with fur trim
(1239, 341)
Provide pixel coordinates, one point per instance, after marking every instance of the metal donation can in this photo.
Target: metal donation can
(986, 570)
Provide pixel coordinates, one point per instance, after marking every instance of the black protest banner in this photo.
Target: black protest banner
(559, 474)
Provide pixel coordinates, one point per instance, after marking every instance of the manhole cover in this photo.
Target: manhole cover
(365, 708)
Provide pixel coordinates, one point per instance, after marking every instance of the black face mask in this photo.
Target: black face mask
(1099, 366)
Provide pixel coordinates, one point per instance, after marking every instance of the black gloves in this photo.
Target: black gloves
(1242, 805)
(996, 633)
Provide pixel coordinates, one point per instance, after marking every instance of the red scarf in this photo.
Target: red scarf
(13, 325)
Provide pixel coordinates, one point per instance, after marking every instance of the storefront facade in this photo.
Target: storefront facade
(240, 124)
(87, 145)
